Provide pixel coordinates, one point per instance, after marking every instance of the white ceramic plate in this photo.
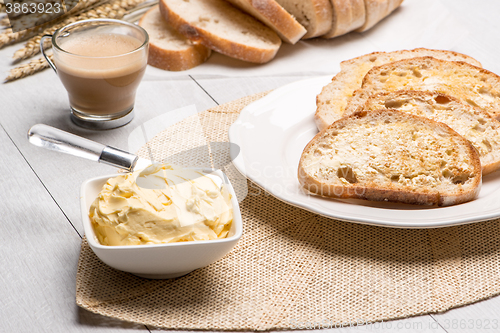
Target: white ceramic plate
(272, 133)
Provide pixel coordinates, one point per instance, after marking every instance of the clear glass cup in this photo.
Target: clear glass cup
(100, 63)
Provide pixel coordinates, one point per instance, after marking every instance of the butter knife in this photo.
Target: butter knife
(52, 138)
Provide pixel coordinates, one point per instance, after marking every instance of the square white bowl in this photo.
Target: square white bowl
(159, 261)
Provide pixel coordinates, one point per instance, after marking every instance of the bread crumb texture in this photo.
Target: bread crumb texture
(220, 17)
(223, 28)
(161, 33)
(389, 150)
(333, 99)
(476, 86)
(482, 131)
(168, 49)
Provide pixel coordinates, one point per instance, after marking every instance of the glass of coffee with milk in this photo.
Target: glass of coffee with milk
(100, 63)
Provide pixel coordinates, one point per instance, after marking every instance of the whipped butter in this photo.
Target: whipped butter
(170, 204)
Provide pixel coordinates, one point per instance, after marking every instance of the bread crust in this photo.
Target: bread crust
(376, 192)
(333, 99)
(172, 59)
(347, 16)
(275, 17)
(377, 10)
(317, 22)
(406, 54)
(223, 44)
(175, 60)
(487, 100)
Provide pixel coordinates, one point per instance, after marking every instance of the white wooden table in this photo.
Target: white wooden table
(40, 227)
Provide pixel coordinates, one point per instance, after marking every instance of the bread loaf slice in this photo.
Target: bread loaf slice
(221, 27)
(314, 15)
(473, 85)
(167, 48)
(274, 16)
(348, 15)
(482, 131)
(387, 155)
(376, 10)
(332, 100)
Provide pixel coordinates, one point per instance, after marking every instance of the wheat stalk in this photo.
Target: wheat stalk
(116, 9)
(8, 37)
(34, 66)
(5, 22)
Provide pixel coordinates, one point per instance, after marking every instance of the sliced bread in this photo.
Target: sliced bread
(348, 15)
(376, 10)
(275, 17)
(332, 100)
(167, 48)
(473, 85)
(222, 27)
(482, 131)
(314, 15)
(387, 155)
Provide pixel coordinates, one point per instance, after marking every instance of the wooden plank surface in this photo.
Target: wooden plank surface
(224, 90)
(39, 255)
(482, 316)
(39, 202)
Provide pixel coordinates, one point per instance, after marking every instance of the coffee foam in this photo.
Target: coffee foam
(98, 55)
(100, 45)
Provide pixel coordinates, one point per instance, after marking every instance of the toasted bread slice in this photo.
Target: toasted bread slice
(274, 16)
(222, 27)
(332, 100)
(482, 131)
(167, 48)
(314, 15)
(376, 10)
(348, 15)
(388, 155)
(474, 85)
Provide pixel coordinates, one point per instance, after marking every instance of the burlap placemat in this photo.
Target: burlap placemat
(293, 267)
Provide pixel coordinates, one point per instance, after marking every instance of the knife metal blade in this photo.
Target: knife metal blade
(52, 138)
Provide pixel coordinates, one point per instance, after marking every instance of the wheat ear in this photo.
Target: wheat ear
(34, 66)
(5, 22)
(8, 37)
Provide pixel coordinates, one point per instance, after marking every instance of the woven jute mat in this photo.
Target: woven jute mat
(292, 266)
